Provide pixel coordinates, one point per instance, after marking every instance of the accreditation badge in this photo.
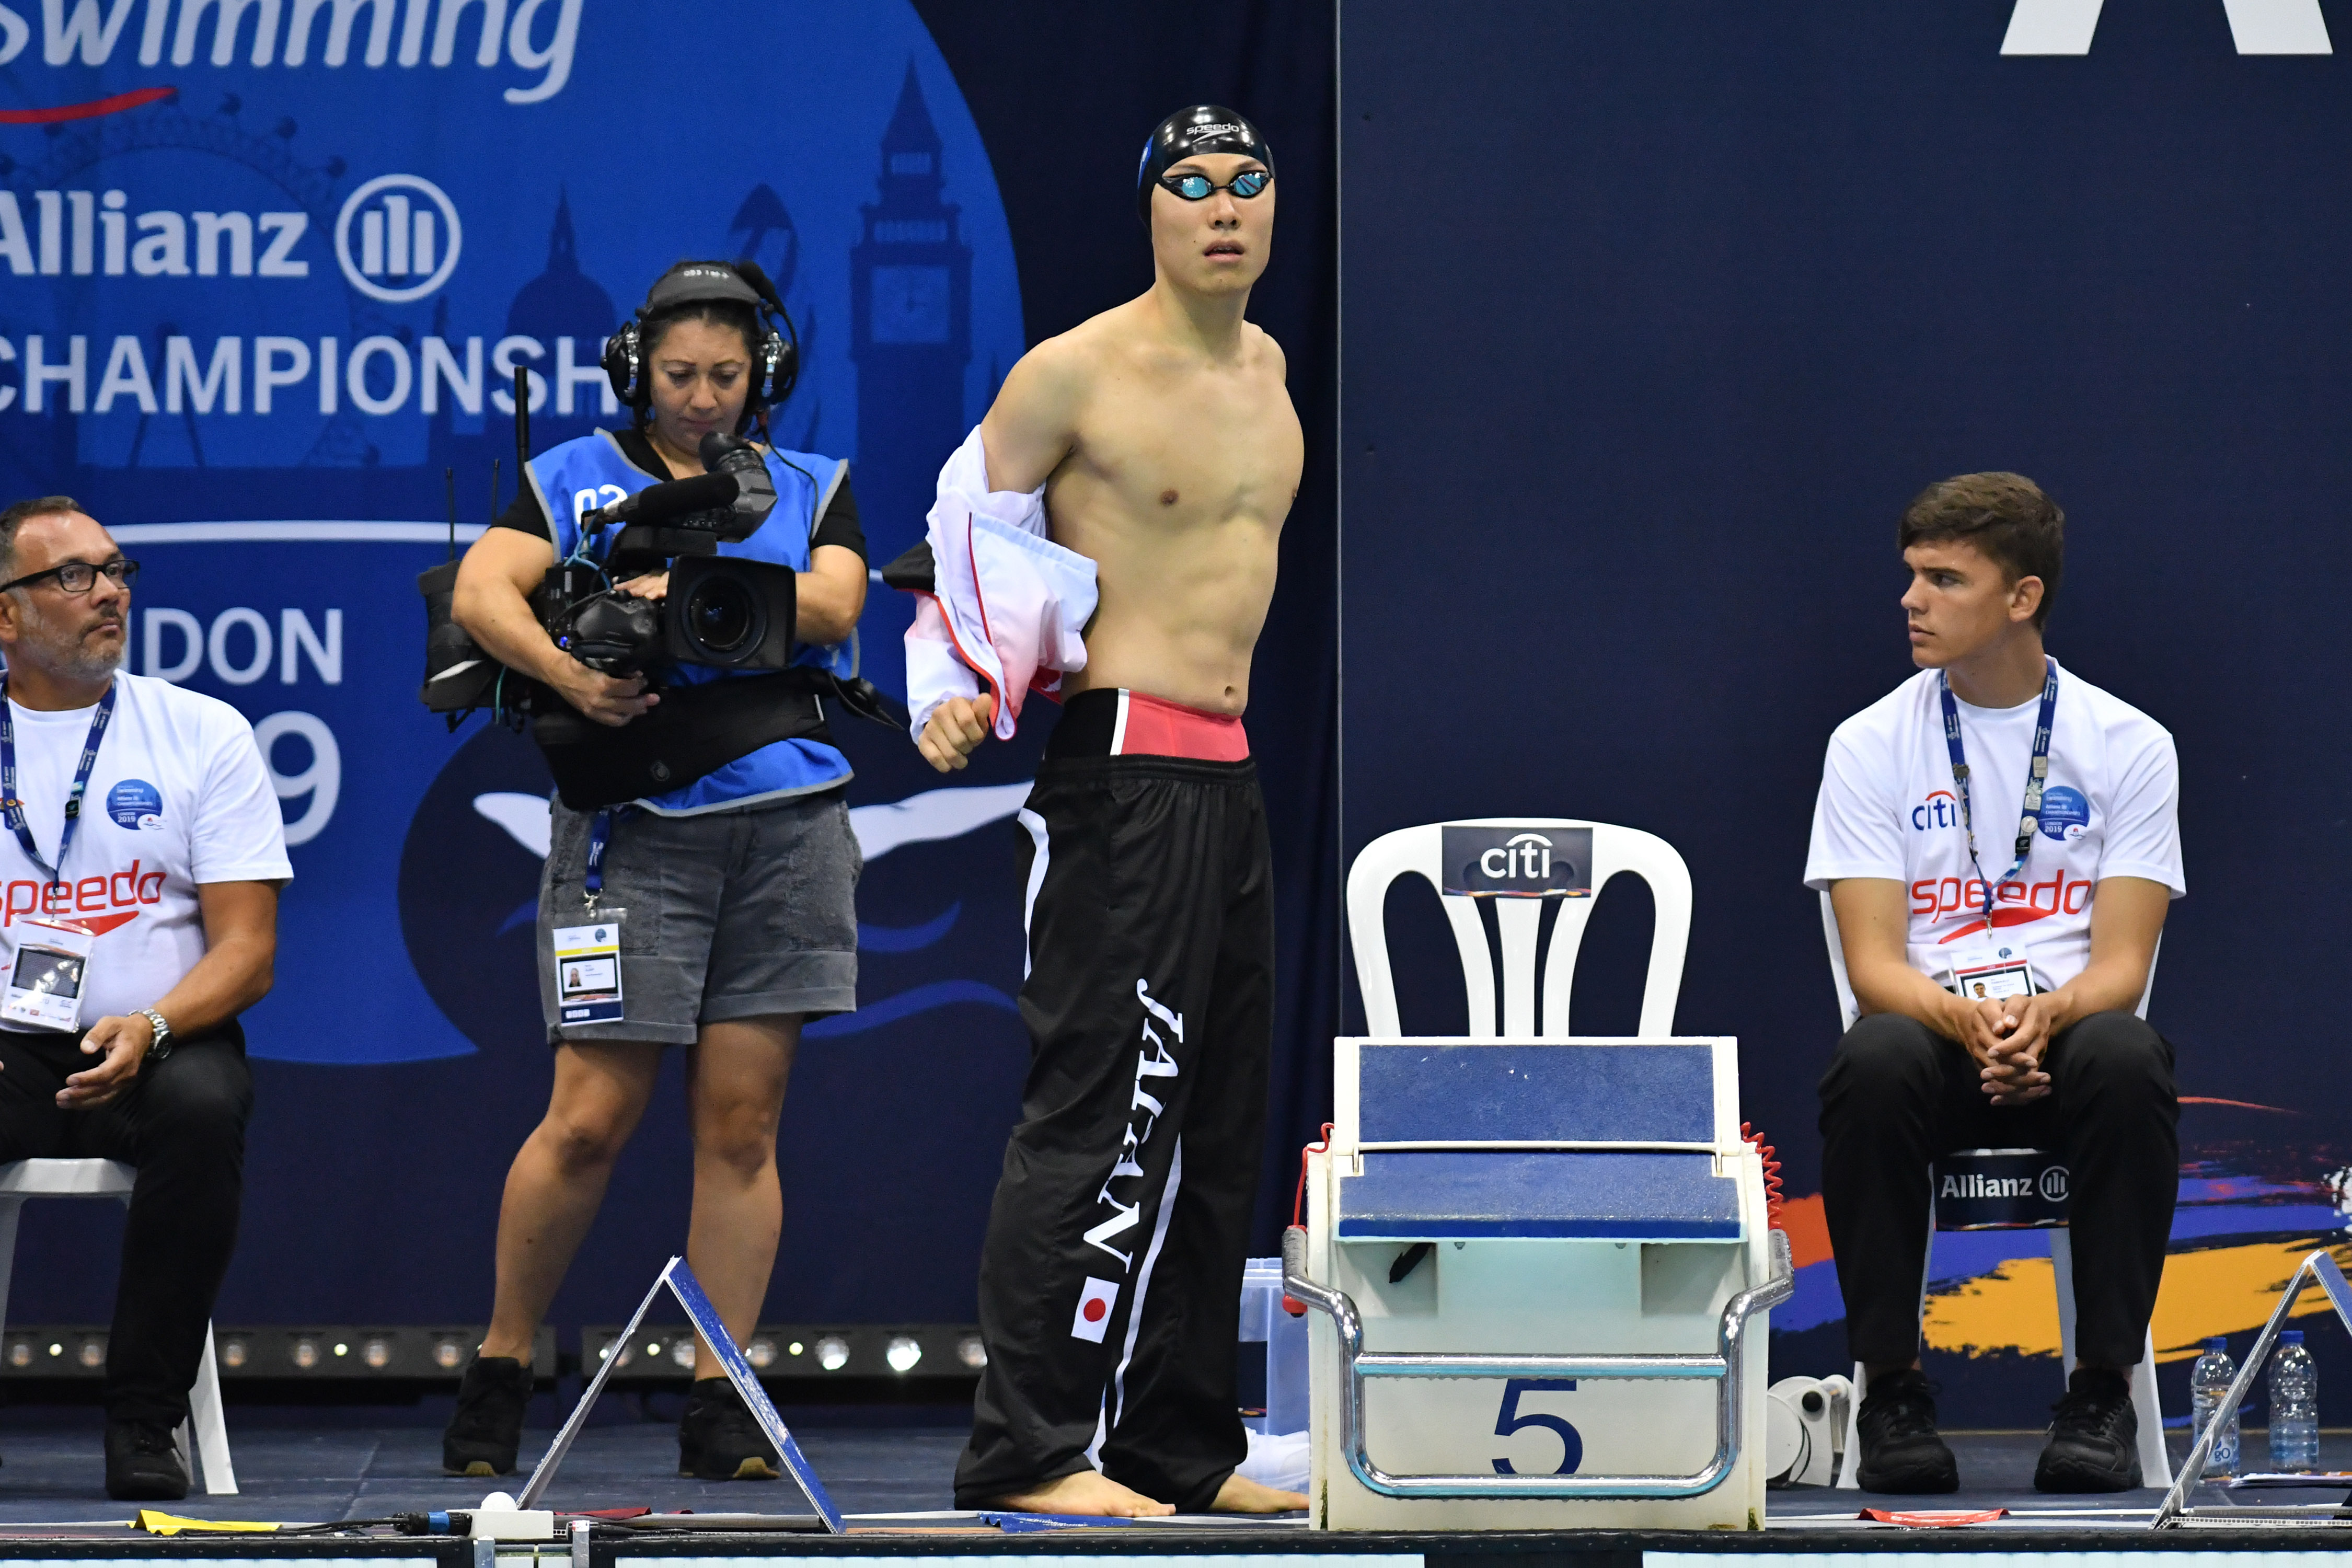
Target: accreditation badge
(588, 971)
(47, 975)
(1983, 970)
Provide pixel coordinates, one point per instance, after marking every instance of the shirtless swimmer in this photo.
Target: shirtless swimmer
(1109, 1286)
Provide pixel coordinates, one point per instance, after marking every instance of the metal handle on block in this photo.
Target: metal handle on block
(1357, 1364)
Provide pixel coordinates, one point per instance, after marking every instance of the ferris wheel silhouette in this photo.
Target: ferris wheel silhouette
(316, 190)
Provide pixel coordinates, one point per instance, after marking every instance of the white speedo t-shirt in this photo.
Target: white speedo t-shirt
(1888, 809)
(179, 797)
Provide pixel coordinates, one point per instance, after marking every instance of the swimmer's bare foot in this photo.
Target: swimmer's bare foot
(1240, 1495)
(1089, 1491)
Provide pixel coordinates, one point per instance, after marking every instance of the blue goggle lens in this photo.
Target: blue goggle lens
(1200, 188)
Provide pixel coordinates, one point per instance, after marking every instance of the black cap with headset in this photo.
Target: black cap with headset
(776, 356)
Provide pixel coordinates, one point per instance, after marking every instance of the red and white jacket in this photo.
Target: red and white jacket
(1007, 602)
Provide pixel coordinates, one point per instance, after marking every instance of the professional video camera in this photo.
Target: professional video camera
(719, 610)
(723, 612)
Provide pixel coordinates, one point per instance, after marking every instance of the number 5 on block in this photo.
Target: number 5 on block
(1510, 1421)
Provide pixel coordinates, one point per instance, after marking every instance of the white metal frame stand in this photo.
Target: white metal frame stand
(2319, 1267)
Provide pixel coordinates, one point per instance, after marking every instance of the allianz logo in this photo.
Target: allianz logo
(2050, 1185)
(539, 35)
(397, 238)
(78, 232)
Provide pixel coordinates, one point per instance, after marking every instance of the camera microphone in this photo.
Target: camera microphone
(674, 498)
(732, 501)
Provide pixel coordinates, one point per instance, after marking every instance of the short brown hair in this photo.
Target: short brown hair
(2005, 516)
(13, 518)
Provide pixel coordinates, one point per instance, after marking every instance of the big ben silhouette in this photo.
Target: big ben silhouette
(910, 336)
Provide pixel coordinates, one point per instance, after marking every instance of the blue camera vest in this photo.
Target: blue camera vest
(591, 471)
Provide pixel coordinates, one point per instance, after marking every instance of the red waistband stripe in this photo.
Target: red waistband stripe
(1154, 727)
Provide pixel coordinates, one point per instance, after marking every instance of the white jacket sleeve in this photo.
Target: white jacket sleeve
(1007, 603)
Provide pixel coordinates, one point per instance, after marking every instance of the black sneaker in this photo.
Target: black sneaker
(717, 1438)
(484, 1434)
(142, 1463)
(2094, 1437)
(1900, 1451)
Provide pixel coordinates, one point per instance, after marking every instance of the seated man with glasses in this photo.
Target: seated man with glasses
(140, 854)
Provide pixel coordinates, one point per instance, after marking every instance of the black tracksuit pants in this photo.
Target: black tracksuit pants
(181, 1124)
(1897, 1095)
(1110, 1281)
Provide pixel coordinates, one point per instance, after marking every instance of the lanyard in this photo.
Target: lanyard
(600, 836)
(2036, 776)
(12, 809)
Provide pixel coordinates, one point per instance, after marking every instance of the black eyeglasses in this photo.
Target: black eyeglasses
(1200, 187)
(81, 576)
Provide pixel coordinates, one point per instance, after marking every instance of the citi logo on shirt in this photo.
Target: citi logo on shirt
(1940, 809)
(2065, 812)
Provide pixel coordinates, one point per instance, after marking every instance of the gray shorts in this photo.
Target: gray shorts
(738, 914)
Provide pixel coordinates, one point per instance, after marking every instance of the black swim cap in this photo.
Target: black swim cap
(1203, 128)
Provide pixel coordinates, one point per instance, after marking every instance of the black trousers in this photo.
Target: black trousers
(1897, 1094)
(181, 1124)
(1110, 1281)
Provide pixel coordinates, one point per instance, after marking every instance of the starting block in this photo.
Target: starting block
(1540, 1271)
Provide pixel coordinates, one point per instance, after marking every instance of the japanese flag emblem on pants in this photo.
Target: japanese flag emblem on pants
(1093, 1316)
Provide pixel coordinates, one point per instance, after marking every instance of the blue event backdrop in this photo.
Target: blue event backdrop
(327, 252)
(1618, 521)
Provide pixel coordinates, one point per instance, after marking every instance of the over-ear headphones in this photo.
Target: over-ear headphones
(776, 357)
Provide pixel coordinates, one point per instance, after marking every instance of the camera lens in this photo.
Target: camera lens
(724, 619)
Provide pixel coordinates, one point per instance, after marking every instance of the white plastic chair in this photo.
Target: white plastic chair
(110, 1179)
(1420, 851)
(2145, 1408)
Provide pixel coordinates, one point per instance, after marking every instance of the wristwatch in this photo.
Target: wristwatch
(161, 1047)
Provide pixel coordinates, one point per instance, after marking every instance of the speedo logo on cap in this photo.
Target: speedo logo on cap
(1219, 130)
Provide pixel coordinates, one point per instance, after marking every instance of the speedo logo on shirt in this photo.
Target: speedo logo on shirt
(2013, 904)
(97, 903)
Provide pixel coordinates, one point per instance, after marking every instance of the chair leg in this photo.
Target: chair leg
(2154, 1462)
(212, 1427)
(2062, 1270)
(9, 1209)
(1850, 1472)
(1849, 1476)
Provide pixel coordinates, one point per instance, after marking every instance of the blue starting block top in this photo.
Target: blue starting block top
(1427, 1093)
(1461, 1195)
(1579, 1195)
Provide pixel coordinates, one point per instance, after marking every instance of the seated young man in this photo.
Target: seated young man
(1998, 954)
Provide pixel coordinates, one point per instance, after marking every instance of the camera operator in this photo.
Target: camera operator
(732, 894)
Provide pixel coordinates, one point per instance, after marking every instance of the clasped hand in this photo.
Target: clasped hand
(2007, 1036)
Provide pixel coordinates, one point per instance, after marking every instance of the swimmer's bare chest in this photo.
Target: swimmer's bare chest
(1177, 489)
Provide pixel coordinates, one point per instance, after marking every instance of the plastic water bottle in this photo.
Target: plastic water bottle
(2209, 1384)
(2295, 1405)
